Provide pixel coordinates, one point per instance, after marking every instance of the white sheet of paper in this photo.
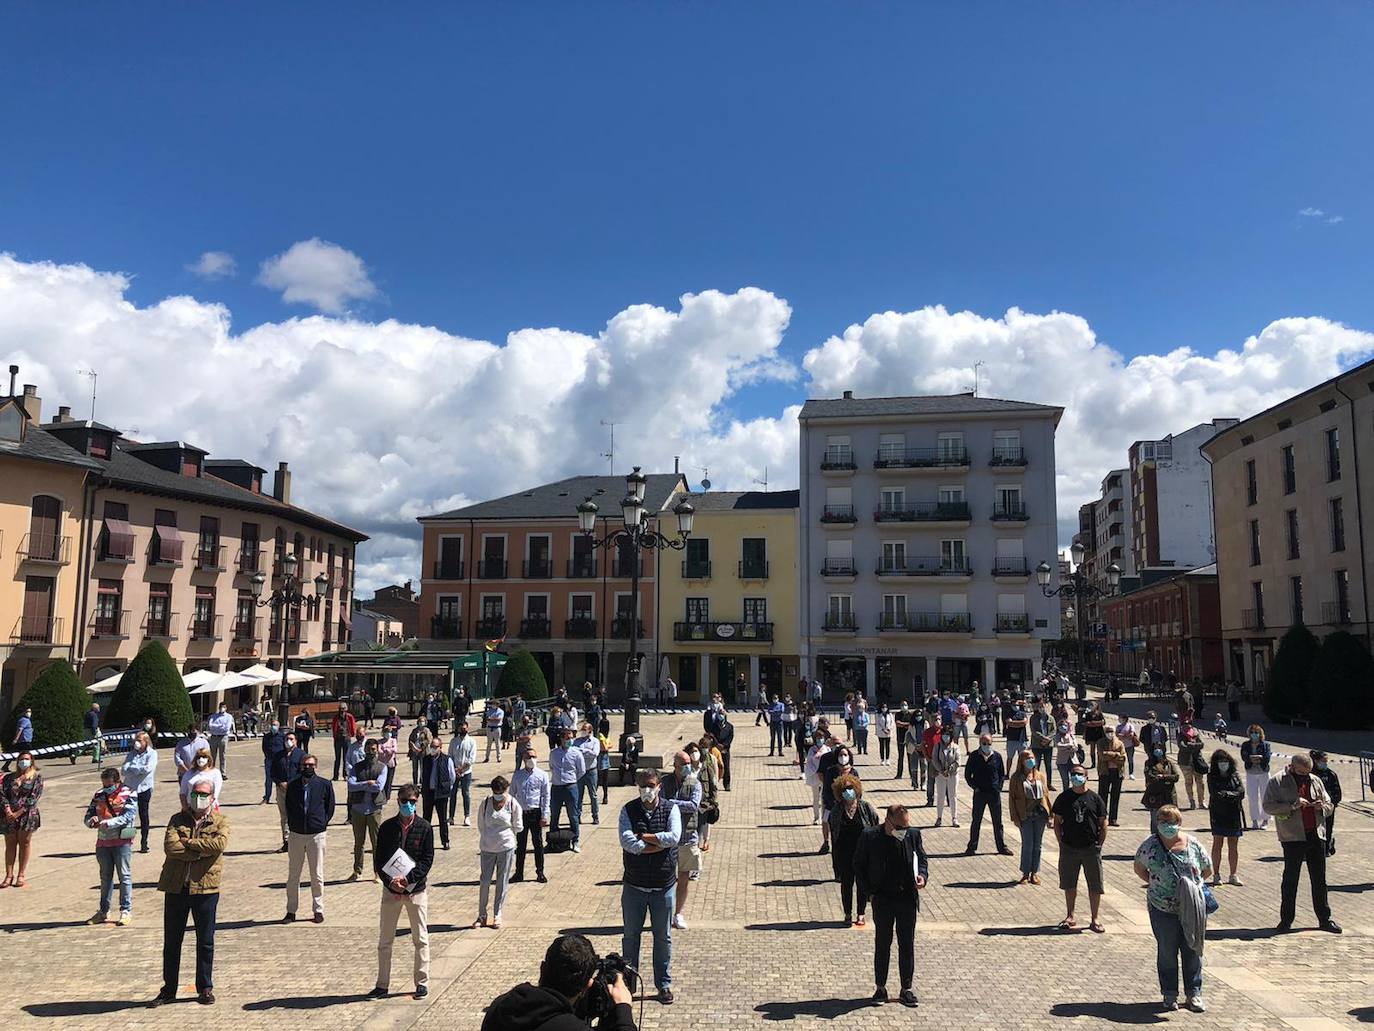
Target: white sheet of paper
(398, 865)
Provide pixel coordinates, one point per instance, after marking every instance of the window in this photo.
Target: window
(1295, 590)
(1257, 600)
(116, 540)
(243, 617)
(893, 499)
(1292, 523)
(951, 447)
(45, 521)
(698, 610)
(1336, 510)
(951, 495)
(539, 562)
(1290, 472)
(1342, 578)
(450, 559)
(894, 610)
(249, 548)
(1254, 542)
(1008, 502)
(159, 610)
(698, 562)
(203, 624)
(166, 538)
(537, 606)
(754, 557)
(1333, 454)
(952, 554)
(1006, 446)
(108, 601)
(838, 497)
(584, 557)
(894, 556)
(493, 558)
(755, 611)
(1251, 484)
(207, 548)
(580, 605)
(839, 452)
(891, 447)
(840, 610)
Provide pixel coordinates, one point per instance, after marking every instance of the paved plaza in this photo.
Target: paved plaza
(764, 948)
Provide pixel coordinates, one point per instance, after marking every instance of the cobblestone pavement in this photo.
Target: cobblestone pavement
(764, 945)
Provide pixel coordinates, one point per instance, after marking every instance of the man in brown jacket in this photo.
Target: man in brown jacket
(195, 843)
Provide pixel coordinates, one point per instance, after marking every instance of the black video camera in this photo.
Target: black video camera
(597, 1002)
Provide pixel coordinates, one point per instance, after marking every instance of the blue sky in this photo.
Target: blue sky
(504, 166)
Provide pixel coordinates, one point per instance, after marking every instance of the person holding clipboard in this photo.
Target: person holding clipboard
(402, 860)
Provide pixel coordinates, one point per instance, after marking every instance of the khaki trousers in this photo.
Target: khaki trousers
(299, 849)
(365, 827)
(417, 908)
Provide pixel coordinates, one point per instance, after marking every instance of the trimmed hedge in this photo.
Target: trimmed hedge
(59, 703)
(522, 676)
(1285, 695)
(1342, 683)
(151, 686)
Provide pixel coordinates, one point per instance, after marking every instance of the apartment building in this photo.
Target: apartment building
(1171, 499)
(920, 521)
(1291, 487)
(1171, 621)
(729, 606)
(518, 568)
(402, 605)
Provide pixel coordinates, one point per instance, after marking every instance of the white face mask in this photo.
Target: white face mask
(499, 799)
(897, 832)
(202, 762)
(530, 762)
(200, 802)
(648, 795)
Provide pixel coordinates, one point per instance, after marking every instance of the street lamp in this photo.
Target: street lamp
(1078, 588)
(290, 594)
(636, 534)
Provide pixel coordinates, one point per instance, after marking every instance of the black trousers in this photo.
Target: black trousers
(894, 913)
(441, 804)
(1043, 758)
(1312, 851)
(992, 802)
(885, 749)
(1109, 787)
(176, 907)
(531, 830)
(842, 862)
(340, 755)
(1233, 711)
(145, 801)
(303, 739)
(725, 773)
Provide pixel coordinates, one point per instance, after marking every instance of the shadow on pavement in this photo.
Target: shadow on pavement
(84, 1008)
(982, 884)
(1364, 1014)
(592, 932)
(1243, 934)
(42, 925)
(800, 882)
(787, 855)
(823, 1009)
(1367, 886)
(1025, 932)
(1116, 1012)
(794, 925)
(306, 1002)
(787, 808)
(282, 884)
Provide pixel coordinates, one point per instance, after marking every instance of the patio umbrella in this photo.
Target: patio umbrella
(198, 677)
(264, 674)
(223, 682)
(108, 684)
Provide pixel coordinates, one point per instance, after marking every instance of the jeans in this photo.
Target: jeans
(464, 785)
(217, 753)
(894, 913)
(1170, 949)
(1064, 770)
(176, 907)
(1043, 757)
(992, 802)
(657, 904)
(1312, 851)
(774, 737)
(495, 867)
(861, 740)
(564, 796)
(1032, 835)
(930, 779)
(441, 803)
(531, 830)
(1109, 787)
(266, 779)
(1014, 748)
(1130, 760)
(145, 801)
(417, 909)
(340, 757)
(587, 786)
(115, 860)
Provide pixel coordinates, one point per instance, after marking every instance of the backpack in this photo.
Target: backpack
(560, 840)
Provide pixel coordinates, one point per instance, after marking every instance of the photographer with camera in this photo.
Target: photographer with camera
(577, 990)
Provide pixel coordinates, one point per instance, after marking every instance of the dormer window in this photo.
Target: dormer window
(11, 420)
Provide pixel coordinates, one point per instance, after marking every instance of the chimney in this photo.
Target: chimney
(281, 484)
(849, 395)
(33, 404)
(14, 371)
(676, 459)
(64, 413)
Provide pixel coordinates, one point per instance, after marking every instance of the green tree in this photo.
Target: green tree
(58, 701)
(1285, 695)
(1341, 687)
(151, 686)
(522, 676)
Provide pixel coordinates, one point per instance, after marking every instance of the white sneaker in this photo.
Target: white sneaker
(1233, 879)
(1196, 1004)
(680, 922)
(467, 821)
(576, 847)
(1170, 1002)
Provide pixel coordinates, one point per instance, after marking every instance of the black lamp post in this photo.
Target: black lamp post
(639, 537)
(290, 594)
(1082, 591)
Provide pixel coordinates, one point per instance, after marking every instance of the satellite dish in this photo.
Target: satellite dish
(705, 484)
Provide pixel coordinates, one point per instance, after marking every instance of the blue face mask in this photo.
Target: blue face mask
(407, 808)
(985, 749)
(1030, 764)
(849, 794)
(1168, 830)
(1254, 737)
(1078, 780)
(1158, 753)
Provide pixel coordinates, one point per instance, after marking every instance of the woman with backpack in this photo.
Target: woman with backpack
(1175, 866)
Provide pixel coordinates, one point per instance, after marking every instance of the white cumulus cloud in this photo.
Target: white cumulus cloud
(318, 273)
(213, 265)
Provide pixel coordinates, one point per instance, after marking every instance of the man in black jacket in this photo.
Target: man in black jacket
(409, 833)
(891, 868)
(985, 773)
(566, 979)
(309, 809)
(286, 767)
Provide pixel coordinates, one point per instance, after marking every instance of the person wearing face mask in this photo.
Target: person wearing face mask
(1193, 767)
(192, 868)
(1111, 767)
(221, 730)
(500, 820)
(1042, 740)
(930, 744)
(567, 764)
(1154, 734)
(683, 788)
(23, 733)
(305, 729)
(391, 723)
(1255, 754)
(911, 748)
(286, 767)
(1028, 806)
(1164, 861)
(1065, 748)
(367, 779)
(139, 772)
(891, 868)
(718, 725)
(1161, 784)
(1224, 806)
(273, 741)
(1300, 805)
(530, 787)
(202, 769)
(357, 751)
(1321, 768)
(1080, 827)
(1130, 739)
(944, 765)
(20, 817)
(650, 828)
(438, 781)
(811, 773)
(189, 747)
(463, 751)
(410, 834)
(309, 810)
(836, 764)
(848, 819)
(342, 728)
(985, 774)
(591, 754)
(884, 726)
(111, 814)
(710, 802)
(417, 746)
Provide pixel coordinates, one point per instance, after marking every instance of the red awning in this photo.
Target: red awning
(119, 537)
(169, 543)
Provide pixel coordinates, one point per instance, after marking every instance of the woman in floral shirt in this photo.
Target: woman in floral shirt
(19, 816)
(1160, 861)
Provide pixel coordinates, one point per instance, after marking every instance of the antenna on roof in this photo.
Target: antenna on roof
(705, 479)
(610, 455)
(91, 373)
(764, 481)
(976, 367)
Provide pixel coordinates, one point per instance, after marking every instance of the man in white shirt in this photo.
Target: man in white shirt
(591, 753)
(463, 751)
(188, 746)
(530, 787)
(221, 727)
(495, 716)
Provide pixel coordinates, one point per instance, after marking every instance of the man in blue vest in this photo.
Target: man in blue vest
(650, 829)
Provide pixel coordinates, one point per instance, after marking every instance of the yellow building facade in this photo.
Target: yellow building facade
(728, 607)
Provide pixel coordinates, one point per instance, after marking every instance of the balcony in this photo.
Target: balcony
(696, 569)
(838, 461)
(722, 631)
(159, 626)
(450, 569)
(537, 569)
(622, 625)
(928, 623)
(1252, 619)
(921, 458)
(491, 569)
(165, 551)
(626, 566)
(1335, 613)
(249, 560)
(110, 626)
(838, 515)
(1013, 623)
(490, 628)
(209, 558)
(840, 624)
(948, 512)
(46, 548)
(580, 628)
(206, 628)
(536, 628)
(36, 631)
(836, 568)
(1013, 512)
(1002, 457)
(1010, 568)
(582, 567)
(752, 570)
(248, 629)
(932, 565)
(445, 628)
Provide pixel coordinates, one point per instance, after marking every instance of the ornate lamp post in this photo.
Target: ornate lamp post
(635, 536)
(1078, 588)
(289, 595)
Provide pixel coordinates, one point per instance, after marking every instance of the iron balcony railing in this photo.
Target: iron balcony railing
(536, 627)
(1334, 613)
(45, 547)
(582, 567)
(1008, 456)
(928, 622)
(1252, 619)
(621, 626)
(838, 514)
(537, 569)
(249, 560)
(838, 567)
(248, 628)
(110, 625)
(838, 458)
(1010, 567)
(160, 625)
(36, 630)
(753, 570)
(210, 558)
(452, 569)
(931, 565)
(491, 627)
(840, 624)
(1009, 512)
(626, 566)
(924, 512)
(727, 630)
(921, 458)
(1013, 623)
(579, 628)
(491, 569)
(696, 569)
(443, 629)
(206, 628)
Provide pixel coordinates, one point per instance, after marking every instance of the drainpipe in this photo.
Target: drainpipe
(83, 572)
(1359, 509)
(471, 618)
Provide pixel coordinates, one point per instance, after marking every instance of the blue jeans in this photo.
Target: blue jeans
(564, 796)
(1032, 834)
(861, 740)
(658, 905)
(267, 783)
(465, 786)
(1170, 949)
(1130, 760)
(112, 860)
(587, 786)
(774, 737)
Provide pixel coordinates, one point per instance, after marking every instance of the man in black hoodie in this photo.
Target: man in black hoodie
(565, 977)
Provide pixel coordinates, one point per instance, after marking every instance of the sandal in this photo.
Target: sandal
(6, 882)
(481, 921)
(861, 921)
(1068, 924)
(1097, 928)
(21, 883)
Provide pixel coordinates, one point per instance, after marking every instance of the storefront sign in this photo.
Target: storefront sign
(858, 650)
(725, 630)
